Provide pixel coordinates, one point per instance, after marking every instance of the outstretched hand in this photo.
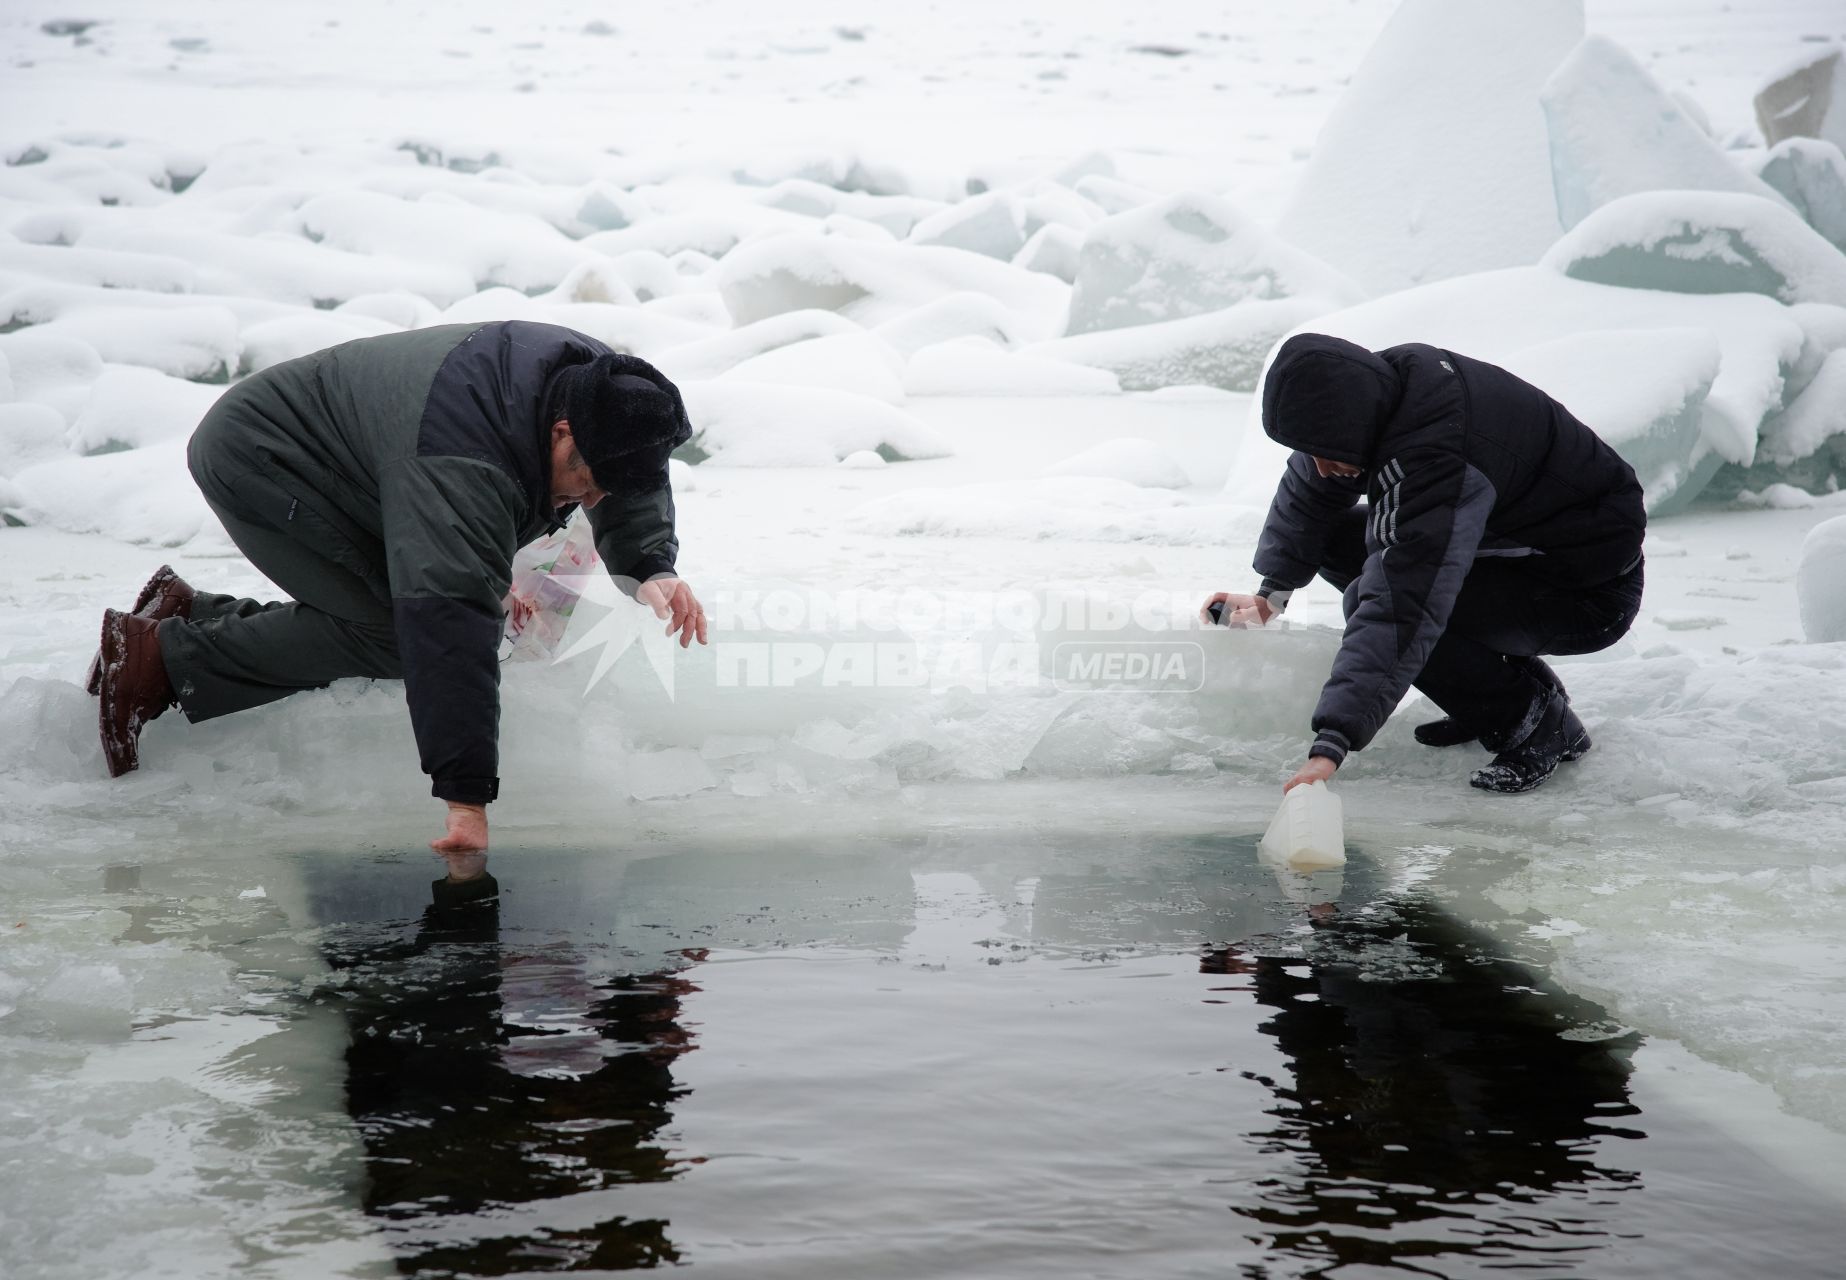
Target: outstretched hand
(672, 599)
(1239, 611)
(467, 831)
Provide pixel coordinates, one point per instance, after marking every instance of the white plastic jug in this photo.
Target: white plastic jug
(1308, 831)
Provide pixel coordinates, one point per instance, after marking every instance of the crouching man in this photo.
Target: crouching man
(385, 484)
(1473, 525)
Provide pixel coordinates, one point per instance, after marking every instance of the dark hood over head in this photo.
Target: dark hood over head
(1329, 398)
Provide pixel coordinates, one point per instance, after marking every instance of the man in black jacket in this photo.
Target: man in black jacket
(1472, 523)
(385, 484)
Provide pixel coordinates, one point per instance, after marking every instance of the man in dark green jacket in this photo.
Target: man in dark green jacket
(385, 484)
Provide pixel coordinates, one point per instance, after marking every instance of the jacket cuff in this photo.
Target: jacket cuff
(1331, 744)
(466, 790)
(1275, 593)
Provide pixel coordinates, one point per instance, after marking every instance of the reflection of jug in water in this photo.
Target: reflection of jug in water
(1308, 831)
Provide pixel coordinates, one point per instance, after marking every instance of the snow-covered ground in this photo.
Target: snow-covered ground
(848, 230)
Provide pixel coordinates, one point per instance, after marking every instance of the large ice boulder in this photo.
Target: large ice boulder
(1614, 131)
(1434, 161)
(1223, 349)
(1054, 249)
(743, 424)
(1811, 175)
(1496, 315)
(991, 224)
(1184, 256)
(1820, 582)
(1806, 100)
(1804, 445)
(1812, 418)
(873, 283)
(1655, 422)
(1702, 242)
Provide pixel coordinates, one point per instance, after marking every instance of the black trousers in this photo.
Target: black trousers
(1484, 671)
(229, 654)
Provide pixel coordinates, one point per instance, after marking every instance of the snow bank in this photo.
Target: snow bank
(145, 267)
(1811, 176)
(872, 283)
(955, 315)
(1495, 315)
(1130, 459)
(520, 252)
(1820, 582)
(1061, 508)
(1189, 254)
(1806, 100)
(287, 337)
(1614, 132)
(854, 361)
(129, 408)
(757, 425)
(711, 231)
(896, 214)
(1702, 242)
(283, 267)
(975, 366)
(29, 434)
(49, 368)
(188, 341)
(708, 357)
(1656, 422)
(1225, 349)
(400, 309)
(1433, 163)
(141, 496)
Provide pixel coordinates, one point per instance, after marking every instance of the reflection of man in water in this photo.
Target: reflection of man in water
(1429, 1076)
(465, 1109)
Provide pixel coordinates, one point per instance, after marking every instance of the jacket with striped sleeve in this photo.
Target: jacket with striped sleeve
(1459, 460)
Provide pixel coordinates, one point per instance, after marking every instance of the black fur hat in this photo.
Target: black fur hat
(625, 417)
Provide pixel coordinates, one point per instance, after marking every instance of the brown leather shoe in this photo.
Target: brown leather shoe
(166, 595)
(134, 687)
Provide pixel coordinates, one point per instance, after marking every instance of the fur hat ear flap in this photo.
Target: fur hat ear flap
(626, 418)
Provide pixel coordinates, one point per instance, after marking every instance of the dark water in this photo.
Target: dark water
(1068, 1058)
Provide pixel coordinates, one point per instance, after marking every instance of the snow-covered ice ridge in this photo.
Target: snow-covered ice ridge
(966, 300)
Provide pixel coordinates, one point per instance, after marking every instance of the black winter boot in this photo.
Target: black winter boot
(1554, 736)
(1450, 732)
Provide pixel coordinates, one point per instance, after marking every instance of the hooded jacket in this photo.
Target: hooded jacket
(1459, 460)
(421, 462)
